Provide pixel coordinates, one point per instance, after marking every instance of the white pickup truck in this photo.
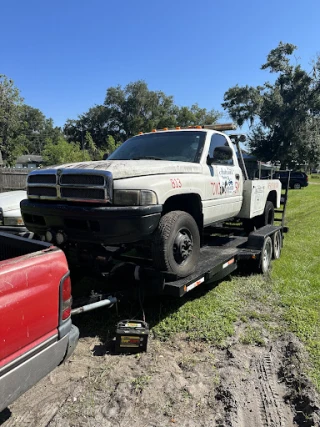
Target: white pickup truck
(162, 187)
(10, 215)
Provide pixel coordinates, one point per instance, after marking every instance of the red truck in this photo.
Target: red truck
(36, 331)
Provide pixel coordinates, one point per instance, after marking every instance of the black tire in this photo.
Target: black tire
(277, 244)
(266, 255)
(176, 244)
(296, 186)
(267, 217)
(248, 224)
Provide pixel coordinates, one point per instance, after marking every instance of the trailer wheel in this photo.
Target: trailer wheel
(277, 244)
(266, 255)
(176, 244)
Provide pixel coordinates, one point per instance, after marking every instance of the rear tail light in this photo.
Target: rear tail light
(66, 313)
(66, 298)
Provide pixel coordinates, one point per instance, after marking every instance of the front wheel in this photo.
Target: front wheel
(176, 244)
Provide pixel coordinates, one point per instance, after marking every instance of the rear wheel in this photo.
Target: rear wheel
(176, 244)
(260, 221)
(297, 186)
(266, 255)
(277, 244)
(267, 217)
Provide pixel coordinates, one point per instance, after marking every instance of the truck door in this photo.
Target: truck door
(223, 184)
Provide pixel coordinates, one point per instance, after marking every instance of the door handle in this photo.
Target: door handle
(237, 176)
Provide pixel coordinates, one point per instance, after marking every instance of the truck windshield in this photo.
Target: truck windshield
(185, 146)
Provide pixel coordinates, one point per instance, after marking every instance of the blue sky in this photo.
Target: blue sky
(64, 54)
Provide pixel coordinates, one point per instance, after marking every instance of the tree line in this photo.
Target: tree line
(283, 117)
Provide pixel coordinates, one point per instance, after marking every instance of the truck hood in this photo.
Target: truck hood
(133, 168)
(10, 201)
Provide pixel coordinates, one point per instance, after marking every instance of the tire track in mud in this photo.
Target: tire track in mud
(272, 412)
(253, 397)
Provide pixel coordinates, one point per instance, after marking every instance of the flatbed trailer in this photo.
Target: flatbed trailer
(220, 256)
(225, 251)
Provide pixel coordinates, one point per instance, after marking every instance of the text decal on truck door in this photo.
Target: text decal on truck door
(227, 179)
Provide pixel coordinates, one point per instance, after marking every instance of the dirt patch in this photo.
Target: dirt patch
(176, 383)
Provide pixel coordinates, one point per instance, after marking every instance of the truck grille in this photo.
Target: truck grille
(82, 193)
(88, 185)
(42, 179)
(42, 191)
(82, 179)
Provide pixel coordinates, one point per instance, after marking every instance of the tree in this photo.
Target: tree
(196, 116)
(64, 152)
(133, 109)
(137, 109)
(283, 116)
(94, 121)
(111, 145)
(32, 131)
(10, 100)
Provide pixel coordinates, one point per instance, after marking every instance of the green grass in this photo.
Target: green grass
(208, 317)
(296, 277)
(314, 177)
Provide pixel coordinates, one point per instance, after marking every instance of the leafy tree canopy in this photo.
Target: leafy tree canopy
(23, 129)
(133, 109)
(284, 117)
(33, 131)
(62, 151)
(10, 100)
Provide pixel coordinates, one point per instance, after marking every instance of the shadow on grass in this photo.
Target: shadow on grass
(102, 322)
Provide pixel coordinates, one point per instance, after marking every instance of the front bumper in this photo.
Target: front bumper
(90, 224)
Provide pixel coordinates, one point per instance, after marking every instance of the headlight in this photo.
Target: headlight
(134, 197)
(13, 221)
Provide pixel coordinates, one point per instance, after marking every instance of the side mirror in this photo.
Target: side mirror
(220, 155)
(105, 156)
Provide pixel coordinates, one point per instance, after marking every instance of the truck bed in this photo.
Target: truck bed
(14, 246)
(35, 334)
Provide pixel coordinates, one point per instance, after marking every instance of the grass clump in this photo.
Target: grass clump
(252, 335)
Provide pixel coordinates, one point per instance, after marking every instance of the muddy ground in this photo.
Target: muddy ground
(177, 382)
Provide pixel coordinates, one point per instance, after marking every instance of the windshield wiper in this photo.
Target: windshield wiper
(147, 158)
